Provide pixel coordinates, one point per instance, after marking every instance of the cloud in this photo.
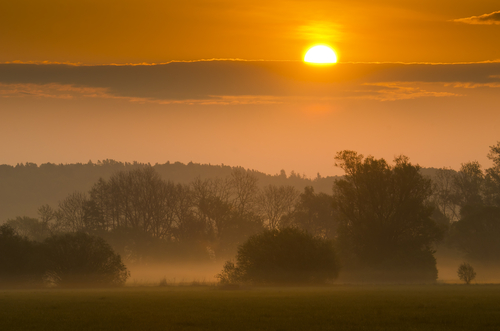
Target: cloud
(59, 91)
(233, 82)
(491, 19)
(392, 91)
(473, 85)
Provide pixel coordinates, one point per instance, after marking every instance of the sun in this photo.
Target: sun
(320, 55)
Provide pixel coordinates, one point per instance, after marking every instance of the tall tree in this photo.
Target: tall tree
(384, 220)
(276, 202)
(468, 184)
(476, 233)
(444, 193)
(492, 183)
(244, 190)
(314, 213)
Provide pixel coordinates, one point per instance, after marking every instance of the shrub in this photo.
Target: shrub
(20, 261)
(82, 259)
(282, 257)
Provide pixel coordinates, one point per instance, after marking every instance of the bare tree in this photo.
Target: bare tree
(444, 194)
(468, 184)
(275, 202)
(137, 199)
(244, 188)
(72, 212)
(211, 202)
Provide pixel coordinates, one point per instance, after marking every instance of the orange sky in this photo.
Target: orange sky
(125, 31)
(272, 114)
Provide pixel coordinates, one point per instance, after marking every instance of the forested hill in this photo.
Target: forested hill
(26, 187)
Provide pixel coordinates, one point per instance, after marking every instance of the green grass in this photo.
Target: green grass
(340, 307)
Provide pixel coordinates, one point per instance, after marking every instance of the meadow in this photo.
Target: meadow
(336, 307)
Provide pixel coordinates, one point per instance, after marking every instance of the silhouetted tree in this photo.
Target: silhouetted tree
(466, 273)
(492, 182)
(315, 214)
(275, 202)
(71, 212)
(385, 222)
(30, 228)
(76, 259)
(211, 204)
(244, 190)
(468, 185)
(444, 194)
(20, 259)
(138, 199)
(477, 232)
(282, 256)
(237, 229)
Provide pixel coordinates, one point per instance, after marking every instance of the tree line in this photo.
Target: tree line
(146, 217)
(27, 186)
(384, 220)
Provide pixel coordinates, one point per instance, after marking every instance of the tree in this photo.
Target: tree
(385, 222)
(138, 199)
(477, 232)
(444, 194)
(314, 213)
(72, 212)
(30, 228)
(281, 256)
(20, 261)
(275, 202)
(492, 182)
(468, 184)
(81, 259)
(244, 188)
(466, 273)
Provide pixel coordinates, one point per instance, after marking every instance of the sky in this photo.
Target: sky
(223, 82)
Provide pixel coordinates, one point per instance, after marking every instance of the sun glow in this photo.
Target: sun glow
(320, 55)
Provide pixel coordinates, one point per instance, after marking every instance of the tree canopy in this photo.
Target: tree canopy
(282, 256)
(20, 259)
(475, 193)
(384, 219)
(60, 260)
(81, 259)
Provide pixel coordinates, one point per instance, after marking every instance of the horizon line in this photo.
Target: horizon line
(81, 64)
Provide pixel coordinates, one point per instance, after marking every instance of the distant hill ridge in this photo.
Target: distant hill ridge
(26, 187)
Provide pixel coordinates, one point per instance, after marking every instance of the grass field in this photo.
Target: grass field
(338, 307)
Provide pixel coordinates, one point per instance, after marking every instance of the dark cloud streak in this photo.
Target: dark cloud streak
(206, 80)
(492, 18)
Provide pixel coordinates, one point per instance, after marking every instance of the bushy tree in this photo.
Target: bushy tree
(477, 231)
(314, 213)
(282, 256)
(80, 259)
(466, 273)
(385, 224)
(30, 228)
(20, 259)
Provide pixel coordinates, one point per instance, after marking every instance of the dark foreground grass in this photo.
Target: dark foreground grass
(341, 307)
